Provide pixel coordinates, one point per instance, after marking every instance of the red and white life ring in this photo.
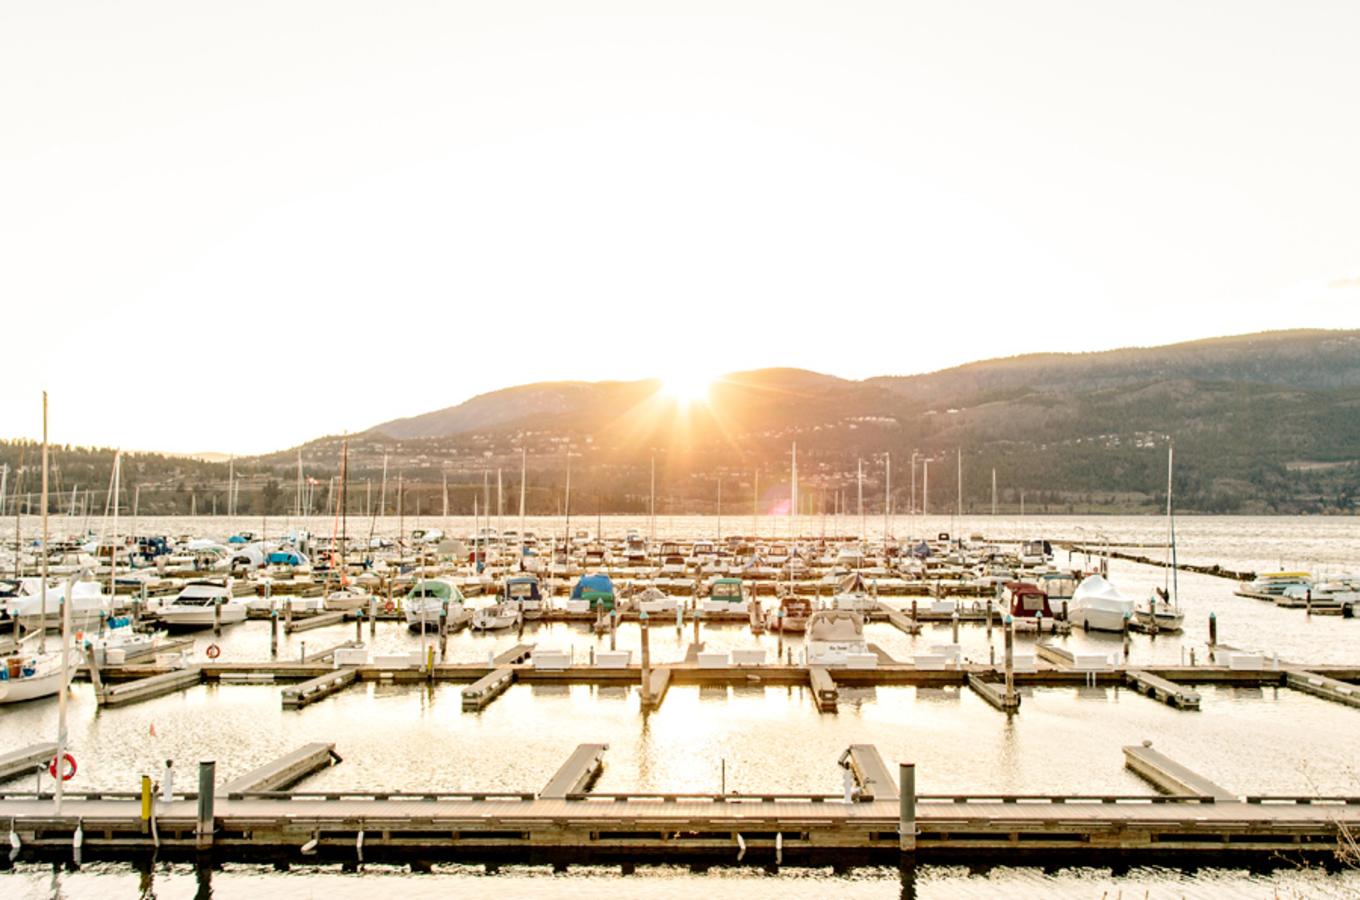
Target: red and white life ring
(70, 771)
(389, 607)
(213, 651)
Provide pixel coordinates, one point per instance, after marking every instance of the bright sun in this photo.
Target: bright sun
(687, 387)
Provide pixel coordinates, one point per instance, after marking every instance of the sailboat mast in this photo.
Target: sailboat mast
(887, 495)
(113, 539)
(863, 523)
(42, 618)
(523, 472)
(1171, 571)
(344, 505)
(793, 494)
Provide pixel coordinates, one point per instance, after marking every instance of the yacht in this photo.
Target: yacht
(1097, 605)
(194, 606)
(833, 636)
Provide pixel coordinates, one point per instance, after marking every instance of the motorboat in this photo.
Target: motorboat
(30, 676)
(791, 616)
(203, 603)
(1035, 553)
(88, 604)
(525, 593)
(1057, 586)
(1097, 605)
(1274, 584)
(1027, 601)
(349, 597)
(726, 595)
(672, 560)
(498, 617)
(121, 643)
(592, 593)
(853, 594)
(427, 600)
(653, 601)
(834, 637)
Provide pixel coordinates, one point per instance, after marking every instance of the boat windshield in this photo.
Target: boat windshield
(727, 590)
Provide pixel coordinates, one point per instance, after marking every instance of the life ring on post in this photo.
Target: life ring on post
(213, 651)
(389, 607)
(70, 768)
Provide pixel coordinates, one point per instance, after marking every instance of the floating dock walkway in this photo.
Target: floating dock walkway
(25, 760)
(577, 774)
(887, 820)
(1170, 777)
(283, 772)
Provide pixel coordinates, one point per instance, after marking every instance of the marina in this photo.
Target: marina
(626, 659)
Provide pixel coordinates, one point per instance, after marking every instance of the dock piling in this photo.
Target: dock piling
(359, 625)
(1213, 630)
(273, 632)
(372, 615)
(207, 777)
(217, 616)
(1008, 627)
(954, 626)
(646, 661)
(146, 803)
(906, 822)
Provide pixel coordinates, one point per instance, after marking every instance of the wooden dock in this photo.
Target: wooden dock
(630, 828)
(900, 620)
(576, 774)
(283, 772)
(994, 693)
(874, 780)
(299, 695)
(519, 653)
(1170, 777)
(659, 682)
(25, 760)
(478, 695)
(1322, 686)
(824, 691)
(1161, 689)
(308, 623)
(150, 687)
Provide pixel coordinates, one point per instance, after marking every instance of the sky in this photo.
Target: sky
(238, 226)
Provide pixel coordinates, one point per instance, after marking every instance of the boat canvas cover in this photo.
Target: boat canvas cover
(726, 589)
(1097, 592)
(835, 626)
(440, 590)
(852, 584)
(593, 588)
(286, 558)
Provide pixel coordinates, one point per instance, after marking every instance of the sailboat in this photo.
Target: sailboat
(29, 676)
(1160, 611)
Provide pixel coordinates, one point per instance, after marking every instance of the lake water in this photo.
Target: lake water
(770, 738)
